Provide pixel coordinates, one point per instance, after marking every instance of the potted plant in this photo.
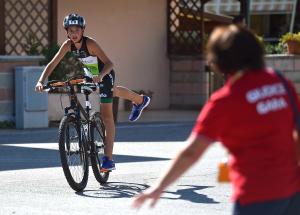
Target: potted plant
(292, 40)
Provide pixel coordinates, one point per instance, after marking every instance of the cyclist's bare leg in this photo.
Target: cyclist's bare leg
(108, 120)
(125, 93)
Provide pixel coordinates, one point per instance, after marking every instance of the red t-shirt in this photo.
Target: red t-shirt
(253, 119)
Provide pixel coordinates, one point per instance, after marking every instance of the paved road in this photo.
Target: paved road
(32, 181)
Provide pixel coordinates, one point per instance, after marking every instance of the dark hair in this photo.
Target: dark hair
(238, 19)
(233, 48)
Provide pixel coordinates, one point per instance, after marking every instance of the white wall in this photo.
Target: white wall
(133, 35)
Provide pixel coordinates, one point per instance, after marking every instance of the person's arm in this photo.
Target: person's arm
(95, 50)
(52, 64)
(186, 157)
(296, 134)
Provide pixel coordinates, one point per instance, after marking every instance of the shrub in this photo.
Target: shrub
(7, 124)
(68, 67)
(278, 48)
(290, 37)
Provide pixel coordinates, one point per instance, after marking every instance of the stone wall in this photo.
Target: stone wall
(191, 85)
(289, 65)
(188, 83)
(7, 85)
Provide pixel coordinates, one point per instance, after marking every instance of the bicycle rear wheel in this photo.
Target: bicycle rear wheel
(98, 137)
(74, 159)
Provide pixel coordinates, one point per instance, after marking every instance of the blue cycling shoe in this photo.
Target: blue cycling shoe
(138, 109)
(107, 165)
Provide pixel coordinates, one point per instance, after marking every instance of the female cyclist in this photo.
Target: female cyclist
(90, 54)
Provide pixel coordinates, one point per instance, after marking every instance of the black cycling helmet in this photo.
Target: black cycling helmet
(74, 19)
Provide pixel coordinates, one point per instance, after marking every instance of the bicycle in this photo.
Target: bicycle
(81, 135)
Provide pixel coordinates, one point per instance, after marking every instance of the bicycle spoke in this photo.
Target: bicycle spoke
(75, 154)
(98, 137)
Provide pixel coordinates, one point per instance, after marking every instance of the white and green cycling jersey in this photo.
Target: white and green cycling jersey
(91, 62)
(94, 64)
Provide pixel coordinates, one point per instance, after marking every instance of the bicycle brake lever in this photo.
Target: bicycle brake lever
(88, 79)
(46, 90)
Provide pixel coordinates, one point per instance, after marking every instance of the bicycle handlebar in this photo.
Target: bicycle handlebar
(57, 84)
(65, 83)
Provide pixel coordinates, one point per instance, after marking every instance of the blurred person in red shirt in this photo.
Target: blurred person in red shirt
(253, 119)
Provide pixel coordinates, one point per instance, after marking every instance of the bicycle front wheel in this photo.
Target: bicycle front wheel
(74, 159)
(98, 139)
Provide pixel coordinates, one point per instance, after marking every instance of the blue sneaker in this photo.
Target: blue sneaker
(107, 165)
(138, 109)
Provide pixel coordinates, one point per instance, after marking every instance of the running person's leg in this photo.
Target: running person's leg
(284, 206)
(276, 207)
(139, 101)
(106, 99)
(125, 93)
(108, 120)
(294, 205)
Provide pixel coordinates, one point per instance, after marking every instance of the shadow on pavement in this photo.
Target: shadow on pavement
(125, 132)
(129, 190)
(15, 158)
(49, 135)
(154, 132)
(190, 194)
(115, 190)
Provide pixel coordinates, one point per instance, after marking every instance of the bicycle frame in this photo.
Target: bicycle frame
(87, 125)
(78, 109)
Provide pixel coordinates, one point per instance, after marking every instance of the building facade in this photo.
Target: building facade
(136, 36)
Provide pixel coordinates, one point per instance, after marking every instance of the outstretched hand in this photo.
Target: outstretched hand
(151, 194)
(39, 87)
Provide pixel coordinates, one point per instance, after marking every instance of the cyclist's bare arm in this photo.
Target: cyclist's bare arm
(95, 50)
(52, 64)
